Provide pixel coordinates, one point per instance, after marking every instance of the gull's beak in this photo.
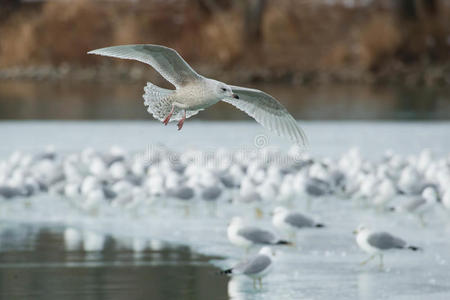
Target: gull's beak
(355, 231)
(235, 96)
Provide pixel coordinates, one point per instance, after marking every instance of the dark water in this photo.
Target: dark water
(34, 264)
(83, 100)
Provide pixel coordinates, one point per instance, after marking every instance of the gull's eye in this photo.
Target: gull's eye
(223, 89)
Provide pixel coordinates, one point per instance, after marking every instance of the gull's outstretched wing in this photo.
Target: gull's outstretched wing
(165, 61)
(267, 111)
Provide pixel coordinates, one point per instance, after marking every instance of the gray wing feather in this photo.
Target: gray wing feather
(183, 193)
(267, 111)
(299, 220)
(414, 204)
(384, 241)
(165, 61)
(211, 193)
(256, 265)
(316, 187)
(257, 235)
(249, 198)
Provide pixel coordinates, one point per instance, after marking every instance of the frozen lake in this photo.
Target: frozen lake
(327, 138)
(323, 265)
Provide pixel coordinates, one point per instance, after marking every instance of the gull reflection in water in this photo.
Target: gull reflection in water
(240, 287)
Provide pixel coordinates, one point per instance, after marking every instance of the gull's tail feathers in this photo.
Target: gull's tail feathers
(159, 103)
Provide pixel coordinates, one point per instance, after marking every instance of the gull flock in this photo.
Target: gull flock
(267, 182)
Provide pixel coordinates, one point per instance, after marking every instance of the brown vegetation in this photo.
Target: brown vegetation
(290, 37)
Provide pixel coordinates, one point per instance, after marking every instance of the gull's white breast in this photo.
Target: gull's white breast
(236, 239)
(279, 222)
(197, 95)
(362, 241)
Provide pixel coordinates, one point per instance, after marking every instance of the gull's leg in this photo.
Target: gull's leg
(292, 236)
(259, 213)
(260, 282)
(167, 119)
(308, 203)
(379, 208)
(181, 122)
(422, 220)
(254, 284)
(381, 261)
(367, 260)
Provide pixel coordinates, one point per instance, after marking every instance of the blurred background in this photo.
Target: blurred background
(324, 59)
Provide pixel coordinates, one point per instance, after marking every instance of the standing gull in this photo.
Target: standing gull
(184, 195)
(291, 222)
(375, 243)
(246, 236)
(256, 267)
(193, 92)
(419, 205)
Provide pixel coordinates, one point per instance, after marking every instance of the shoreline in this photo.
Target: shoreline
(432, 76)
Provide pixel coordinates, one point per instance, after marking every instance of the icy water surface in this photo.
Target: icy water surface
(36, 262)
(327, 138)
(324, 264)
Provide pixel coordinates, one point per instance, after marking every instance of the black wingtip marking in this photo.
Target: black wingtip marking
(414, 248)
(226, 272)
(283, 242)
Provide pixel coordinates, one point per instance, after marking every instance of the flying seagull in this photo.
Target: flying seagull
(193, 92)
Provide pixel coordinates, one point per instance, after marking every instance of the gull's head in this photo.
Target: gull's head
(430, 194)
(361, 228)
(267, 251)
(225, 91)
(236, 221)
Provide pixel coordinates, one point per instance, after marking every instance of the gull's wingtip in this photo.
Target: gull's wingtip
(99, 51)
(303, 145)
(302, 140)
(107, 51)
(305, 142)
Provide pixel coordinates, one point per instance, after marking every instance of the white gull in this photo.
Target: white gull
(193, 92)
